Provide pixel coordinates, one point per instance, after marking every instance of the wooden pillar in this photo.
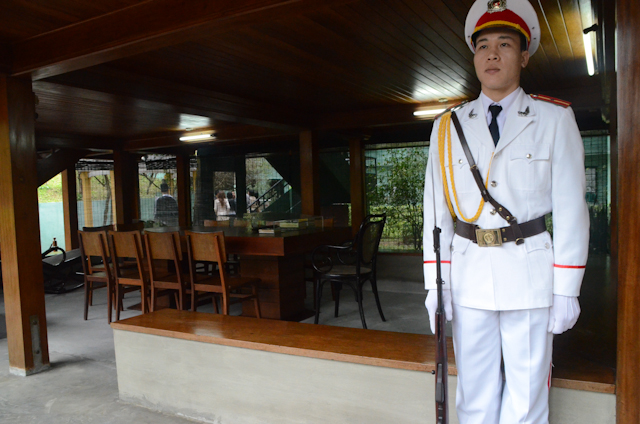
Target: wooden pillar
(240, 167)
(628, 82)
(87, 201)
(309, 173)
(357, 176)
(70, 209)
(20, 230)
(184, 191)
(125, 177)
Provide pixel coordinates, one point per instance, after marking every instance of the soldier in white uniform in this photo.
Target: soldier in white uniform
(508, 286)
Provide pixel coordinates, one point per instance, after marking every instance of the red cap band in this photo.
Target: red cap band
(504, 18)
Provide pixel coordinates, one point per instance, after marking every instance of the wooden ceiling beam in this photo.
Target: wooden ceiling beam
(46, 141)
(184, 98)
(57, 162)
(143, 27)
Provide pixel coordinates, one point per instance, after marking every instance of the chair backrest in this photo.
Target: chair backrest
(368, 238)
(127, 244)
(93, 244)
(164, 246)
(94, 229)
(206, 247)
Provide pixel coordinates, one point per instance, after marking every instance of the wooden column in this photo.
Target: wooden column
(240, 167)
(87, 200)
(184, 192)
(20, 230)
(125, 176)
(70, 208)
(357, 176)
(628, 362)
(309, 173)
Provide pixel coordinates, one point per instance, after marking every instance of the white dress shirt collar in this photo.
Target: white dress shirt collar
(505, 103)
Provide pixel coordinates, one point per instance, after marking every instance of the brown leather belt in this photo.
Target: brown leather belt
(497, 236)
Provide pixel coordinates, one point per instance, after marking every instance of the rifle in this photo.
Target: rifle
(442, 386)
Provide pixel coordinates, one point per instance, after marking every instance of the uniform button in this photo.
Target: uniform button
(528, 155)
(493, 212)
(493, 183)
(460, 161)
(547, 245)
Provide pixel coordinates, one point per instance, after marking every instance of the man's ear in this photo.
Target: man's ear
(525, 58)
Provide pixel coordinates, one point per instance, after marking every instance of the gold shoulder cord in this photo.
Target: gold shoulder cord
(444, 137)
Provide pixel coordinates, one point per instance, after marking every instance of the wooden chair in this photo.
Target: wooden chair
(164, 276)
(128, 245)
(210, 247)
(352, 264)
(93, 245)
(94, 229)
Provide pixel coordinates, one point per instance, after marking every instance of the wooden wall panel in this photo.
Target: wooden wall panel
(20, 230)
(628, 364)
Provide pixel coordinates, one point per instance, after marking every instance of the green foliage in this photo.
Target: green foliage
(51, 191)
(399, 191)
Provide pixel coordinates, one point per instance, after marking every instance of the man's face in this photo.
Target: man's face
(499, 61)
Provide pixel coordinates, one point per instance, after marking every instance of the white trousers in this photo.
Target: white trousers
(481, 340)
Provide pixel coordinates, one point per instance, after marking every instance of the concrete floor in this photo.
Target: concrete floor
(81, 386)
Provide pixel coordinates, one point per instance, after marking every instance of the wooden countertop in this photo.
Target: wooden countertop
(370, 347)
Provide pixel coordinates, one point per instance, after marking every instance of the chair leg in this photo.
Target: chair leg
(118, 301)
(318, 299)
(110, 301)
(336, 292)
(256, 301)
(87, 291)
(360, 307)
(154, 298)
(91, 296)
(374, 288)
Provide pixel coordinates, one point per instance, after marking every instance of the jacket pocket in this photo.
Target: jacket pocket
(540, 258)
(530, 166)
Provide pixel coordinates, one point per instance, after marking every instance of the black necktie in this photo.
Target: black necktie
(493, 126)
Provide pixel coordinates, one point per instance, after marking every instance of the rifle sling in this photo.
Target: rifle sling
(502, 211)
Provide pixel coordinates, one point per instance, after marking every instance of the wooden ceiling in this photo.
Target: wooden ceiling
(135, 74)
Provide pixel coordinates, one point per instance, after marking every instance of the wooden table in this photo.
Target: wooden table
(278, 260)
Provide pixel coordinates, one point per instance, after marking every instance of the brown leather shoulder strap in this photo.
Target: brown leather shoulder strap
(502, 211)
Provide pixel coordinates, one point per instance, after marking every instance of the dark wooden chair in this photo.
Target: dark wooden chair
(210, 247)
(93, 248)
(127, 246)
(164, 253)
(352, 264)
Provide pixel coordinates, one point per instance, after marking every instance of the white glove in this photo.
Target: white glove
(563, 314)
(432, 306)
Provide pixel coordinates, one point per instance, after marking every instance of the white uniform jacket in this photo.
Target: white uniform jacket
(537, 168)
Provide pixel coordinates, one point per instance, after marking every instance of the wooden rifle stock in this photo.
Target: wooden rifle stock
(442, 392)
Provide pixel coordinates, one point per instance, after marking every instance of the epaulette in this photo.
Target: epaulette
(549, 99)
(452, 108)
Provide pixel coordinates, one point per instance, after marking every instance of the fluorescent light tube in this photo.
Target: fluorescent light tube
(588, 54)
(197, 137)
(428, 112)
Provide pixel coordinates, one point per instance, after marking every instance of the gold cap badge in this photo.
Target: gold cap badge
(496, 6)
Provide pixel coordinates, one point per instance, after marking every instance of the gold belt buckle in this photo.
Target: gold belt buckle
(488, 238)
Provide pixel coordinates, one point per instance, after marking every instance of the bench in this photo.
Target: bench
(243, 370)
